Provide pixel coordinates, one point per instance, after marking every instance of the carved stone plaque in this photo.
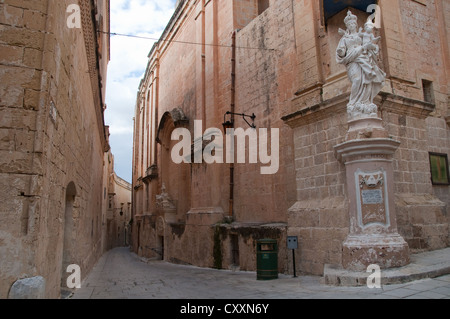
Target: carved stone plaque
(371, 198)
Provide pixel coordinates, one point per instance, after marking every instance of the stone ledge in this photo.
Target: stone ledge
(386, 102)
(423, 265)
(405, 106)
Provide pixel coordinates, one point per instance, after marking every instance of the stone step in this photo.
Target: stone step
(423, 265)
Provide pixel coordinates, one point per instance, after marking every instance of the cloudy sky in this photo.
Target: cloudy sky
(146, 18)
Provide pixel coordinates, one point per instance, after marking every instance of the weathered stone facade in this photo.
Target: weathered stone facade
(52, 140)
(279, 62)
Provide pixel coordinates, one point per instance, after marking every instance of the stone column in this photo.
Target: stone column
(373, 237)
(368, 154)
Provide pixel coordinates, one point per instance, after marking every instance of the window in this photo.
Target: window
(428, 95)
(439, 169)
(110, 204)
(262, 5)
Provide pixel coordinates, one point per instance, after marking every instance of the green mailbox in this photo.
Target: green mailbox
(267, 259)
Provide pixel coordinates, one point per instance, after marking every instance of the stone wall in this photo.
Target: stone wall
(52, 143)
(422, 208)
(265, 58)
(320, 216)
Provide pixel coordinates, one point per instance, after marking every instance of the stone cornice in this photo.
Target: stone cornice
(121, 182)
(380, 148)
(387, 103)
(317, 112)
(90, 40)
(404, 106)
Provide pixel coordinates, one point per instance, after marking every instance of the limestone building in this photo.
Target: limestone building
(118, 213)
(276, 60)
(53, 142)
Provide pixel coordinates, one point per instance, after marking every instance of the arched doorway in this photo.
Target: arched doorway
(68, 233)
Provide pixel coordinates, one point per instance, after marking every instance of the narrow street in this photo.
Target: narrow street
(120, 274)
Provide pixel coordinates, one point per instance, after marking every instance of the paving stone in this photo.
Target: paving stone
(400, 292)
(126, 276)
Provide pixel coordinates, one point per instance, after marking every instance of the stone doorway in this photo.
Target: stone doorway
(161, 247)
(235, 251)
(68, 233)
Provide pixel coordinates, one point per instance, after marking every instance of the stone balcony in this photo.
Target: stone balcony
(150, 174)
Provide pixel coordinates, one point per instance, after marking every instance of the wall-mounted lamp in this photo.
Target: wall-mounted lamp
(230, 124)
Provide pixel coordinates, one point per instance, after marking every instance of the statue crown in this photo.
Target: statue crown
(350, 17)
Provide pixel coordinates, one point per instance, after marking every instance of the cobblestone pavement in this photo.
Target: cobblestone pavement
(120, 274)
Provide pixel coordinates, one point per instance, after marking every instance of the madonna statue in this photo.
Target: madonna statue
(357, 50)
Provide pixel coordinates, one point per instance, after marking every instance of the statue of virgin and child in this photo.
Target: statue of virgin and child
(358, 51)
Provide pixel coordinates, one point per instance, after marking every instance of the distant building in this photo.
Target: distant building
(118, 213)
(53, 141)
(277, 60)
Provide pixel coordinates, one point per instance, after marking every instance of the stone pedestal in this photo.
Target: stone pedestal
(373, 237)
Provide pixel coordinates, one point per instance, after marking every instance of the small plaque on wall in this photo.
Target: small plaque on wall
(371, 198)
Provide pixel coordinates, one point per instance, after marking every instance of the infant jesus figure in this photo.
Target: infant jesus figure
(369, 40)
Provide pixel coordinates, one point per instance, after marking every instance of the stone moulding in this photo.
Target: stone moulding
(381, 197)
(315, 86)
(387, 251)
(177, 117)
(138, 183)
(89, 27)
(405, 106)
(205, 216)
(447, 116)
(357, 149)
(316, 112)
(387, 103)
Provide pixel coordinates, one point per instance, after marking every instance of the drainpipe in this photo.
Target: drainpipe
(233, 109)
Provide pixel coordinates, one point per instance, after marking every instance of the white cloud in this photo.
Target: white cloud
(146, 18)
